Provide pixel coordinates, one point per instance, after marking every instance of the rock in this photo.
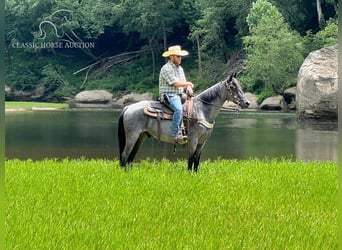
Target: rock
(132, 98)
(251, 98)
(253, 101)
(274, 103)
(93, 99)
(290, 94)
(36, 94)
(94, 96)
(8, 93)
(291, 106)
(290, 97)
(317, 85)
(230, 105)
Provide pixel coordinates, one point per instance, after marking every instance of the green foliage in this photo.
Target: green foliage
(56, 86)
(131, 77)
(23, 73)
(210, 30)
(263, 95)
(273, 51)
(54, 74)
(219, 25)
(329, 35)
(147, 17)
(229, 204)
(212, 72)
(324, 38)
(258, 13)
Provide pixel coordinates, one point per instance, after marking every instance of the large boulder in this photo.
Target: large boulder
(253, 101)
(274, 103)
(93, 99)
(132, 98)
(317, 85)
(251, 98)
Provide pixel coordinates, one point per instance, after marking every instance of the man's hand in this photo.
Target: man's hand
(190, 84)
(189, 91)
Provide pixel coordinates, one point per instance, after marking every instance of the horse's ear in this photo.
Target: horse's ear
(230, 77)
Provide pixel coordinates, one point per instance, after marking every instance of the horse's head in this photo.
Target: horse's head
(236, 93)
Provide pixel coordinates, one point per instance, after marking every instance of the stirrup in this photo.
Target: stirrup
(180, 138)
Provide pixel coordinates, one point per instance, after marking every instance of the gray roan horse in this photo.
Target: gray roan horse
(134, 125)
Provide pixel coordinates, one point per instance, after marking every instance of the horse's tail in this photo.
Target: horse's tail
(122, 137)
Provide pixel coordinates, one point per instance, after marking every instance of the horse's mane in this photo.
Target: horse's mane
(211, 93)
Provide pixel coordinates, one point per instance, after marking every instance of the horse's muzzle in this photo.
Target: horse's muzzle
(244, 104)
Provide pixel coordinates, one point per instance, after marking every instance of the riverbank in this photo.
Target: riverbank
(29, 106)
(252, 204)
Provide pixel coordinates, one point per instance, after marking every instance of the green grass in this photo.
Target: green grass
(30, 105)
(229, 204)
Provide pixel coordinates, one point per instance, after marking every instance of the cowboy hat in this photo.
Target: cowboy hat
(175, 51)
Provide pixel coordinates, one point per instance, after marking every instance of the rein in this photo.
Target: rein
(224, 108)
(199, 98)
(212, 104)
(209, 103)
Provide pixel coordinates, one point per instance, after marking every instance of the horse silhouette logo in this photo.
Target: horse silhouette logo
(54, 21)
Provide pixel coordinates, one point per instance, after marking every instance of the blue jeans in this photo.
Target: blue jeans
(176, 105)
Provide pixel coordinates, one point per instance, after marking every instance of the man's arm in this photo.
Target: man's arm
(183, 84)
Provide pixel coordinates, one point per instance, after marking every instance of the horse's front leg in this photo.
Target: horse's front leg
(191, 153)
(194, 156)
(190, 162)
(194, 160)
(197, 156)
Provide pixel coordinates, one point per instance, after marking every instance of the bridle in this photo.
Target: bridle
(235, 93)
(229, 85)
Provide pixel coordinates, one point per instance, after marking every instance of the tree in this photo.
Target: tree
(210, 29)
(152, 19)
(304, 15)
(64, 20)
(273, 51)
(193, 11)
(327, 36)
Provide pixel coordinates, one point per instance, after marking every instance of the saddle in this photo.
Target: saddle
(158, 110)
(161, 111)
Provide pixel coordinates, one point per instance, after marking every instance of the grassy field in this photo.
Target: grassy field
(33, 105)
(229, 204)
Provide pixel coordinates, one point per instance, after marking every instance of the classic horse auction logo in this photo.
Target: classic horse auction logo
(49, 21)
(53, 28)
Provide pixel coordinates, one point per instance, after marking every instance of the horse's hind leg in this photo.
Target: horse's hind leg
(131, 148)
(136, 147)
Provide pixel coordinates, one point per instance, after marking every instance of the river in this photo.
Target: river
(93, 134)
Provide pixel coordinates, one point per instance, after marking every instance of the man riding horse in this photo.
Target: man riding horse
(172, 83)
(141, 120)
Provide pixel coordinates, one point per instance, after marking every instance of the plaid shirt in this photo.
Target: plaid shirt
(169, 74)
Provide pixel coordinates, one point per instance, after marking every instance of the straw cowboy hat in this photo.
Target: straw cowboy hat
(175, 51)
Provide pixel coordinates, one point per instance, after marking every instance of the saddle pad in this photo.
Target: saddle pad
(157, 109)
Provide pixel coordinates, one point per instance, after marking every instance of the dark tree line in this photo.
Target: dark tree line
(104, 33)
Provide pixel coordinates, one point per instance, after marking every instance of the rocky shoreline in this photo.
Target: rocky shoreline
(315, 95)
(102, 99)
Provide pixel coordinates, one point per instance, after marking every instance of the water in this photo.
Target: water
(93, 134)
